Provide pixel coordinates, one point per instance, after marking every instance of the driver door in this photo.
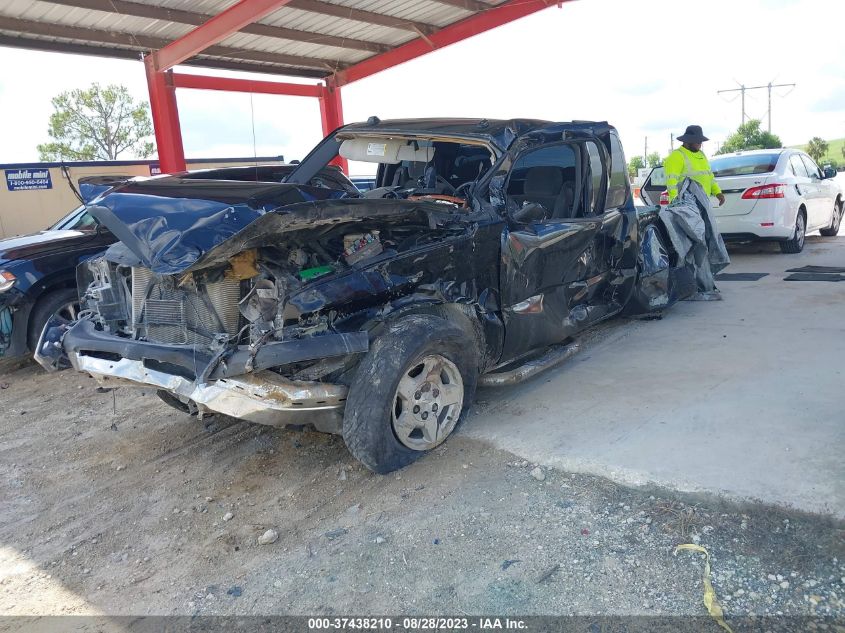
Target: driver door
(557, 269)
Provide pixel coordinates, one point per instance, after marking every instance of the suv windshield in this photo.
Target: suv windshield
(744, 165)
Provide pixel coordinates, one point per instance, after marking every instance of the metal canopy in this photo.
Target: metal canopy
(303, 38)
(338, 41)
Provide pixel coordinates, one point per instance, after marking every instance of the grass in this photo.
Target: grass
(834, 151)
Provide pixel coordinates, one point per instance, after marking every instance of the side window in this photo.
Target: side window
(546, 176)
(598, 185)
(619, 189)
(812, 169)
(798, 167)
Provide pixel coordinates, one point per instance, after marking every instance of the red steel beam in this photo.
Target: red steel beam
(479, 23)
(168, 133)
(204, 82)
(331, 115)
(215, 30)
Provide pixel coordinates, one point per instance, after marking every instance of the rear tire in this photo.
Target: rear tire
(833, 229)
(795, 244)
(410, 392)
(62, 303)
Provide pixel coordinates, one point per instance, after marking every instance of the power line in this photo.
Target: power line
(743, 89)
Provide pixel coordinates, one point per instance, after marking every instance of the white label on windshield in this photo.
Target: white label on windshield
(376, 149)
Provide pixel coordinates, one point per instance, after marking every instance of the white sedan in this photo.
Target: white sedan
(770, 194)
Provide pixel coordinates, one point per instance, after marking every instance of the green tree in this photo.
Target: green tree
(750, 136)
(842, 149)
(817, 147)
(635, 165)
(654, 159)
(97, 124)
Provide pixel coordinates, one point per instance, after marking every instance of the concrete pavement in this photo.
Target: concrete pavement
(741, 398)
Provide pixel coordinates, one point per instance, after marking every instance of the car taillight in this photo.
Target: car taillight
(664, 198)
(764, 191)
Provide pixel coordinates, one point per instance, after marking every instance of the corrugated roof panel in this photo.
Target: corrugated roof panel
(340, 27)
(399, 14)
(290, 47)
(47, 13)
(425, 11)
(212, 7)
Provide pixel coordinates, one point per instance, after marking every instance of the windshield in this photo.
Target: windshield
(744, 165)
(77, 220)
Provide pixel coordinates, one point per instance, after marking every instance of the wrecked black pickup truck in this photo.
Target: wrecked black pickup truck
(484, 247)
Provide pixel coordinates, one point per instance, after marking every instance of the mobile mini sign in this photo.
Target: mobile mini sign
(27, 179)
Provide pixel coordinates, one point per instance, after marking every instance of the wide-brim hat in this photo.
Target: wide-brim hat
(693, 135)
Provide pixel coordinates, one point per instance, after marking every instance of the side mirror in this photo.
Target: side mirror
(829, 172)
(530, 212)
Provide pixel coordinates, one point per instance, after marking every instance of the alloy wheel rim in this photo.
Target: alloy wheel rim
(68, 312)
(800, 230)
(428, 402)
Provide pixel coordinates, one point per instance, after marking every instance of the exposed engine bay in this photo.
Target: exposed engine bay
(267, 292)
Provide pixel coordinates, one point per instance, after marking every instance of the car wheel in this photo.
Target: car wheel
(62, 304)
(410, 392)
(833, 229)
(795, 244)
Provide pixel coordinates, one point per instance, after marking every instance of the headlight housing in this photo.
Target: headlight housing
(7, 280)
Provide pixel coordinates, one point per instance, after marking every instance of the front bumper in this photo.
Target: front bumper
(194, 375)
(263, 397)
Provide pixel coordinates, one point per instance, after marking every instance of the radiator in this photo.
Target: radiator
(165, 313)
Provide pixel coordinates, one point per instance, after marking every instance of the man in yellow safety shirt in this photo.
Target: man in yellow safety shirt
(688, 161)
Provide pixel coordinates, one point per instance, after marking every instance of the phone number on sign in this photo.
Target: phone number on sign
(409, 624)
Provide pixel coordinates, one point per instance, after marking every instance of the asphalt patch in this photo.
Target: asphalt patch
(817, 269)
(741, 276)
(814, 277)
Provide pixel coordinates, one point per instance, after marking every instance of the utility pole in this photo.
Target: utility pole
(671, 141)
(645, 153)
(743, 88)
(770, 106)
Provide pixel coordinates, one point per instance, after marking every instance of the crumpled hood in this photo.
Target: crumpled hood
(170, 223)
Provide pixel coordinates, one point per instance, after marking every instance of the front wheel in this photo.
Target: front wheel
(833, 229)
(795, 244)
(62, 304)
(410, 392)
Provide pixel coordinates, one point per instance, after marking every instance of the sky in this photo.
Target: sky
(649, 67)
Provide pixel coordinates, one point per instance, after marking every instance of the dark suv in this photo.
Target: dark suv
(484, 247)
(38, 271)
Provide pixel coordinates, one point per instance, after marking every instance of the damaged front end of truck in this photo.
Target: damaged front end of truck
(254, 300)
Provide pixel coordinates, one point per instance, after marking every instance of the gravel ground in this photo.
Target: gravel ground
(113, 503)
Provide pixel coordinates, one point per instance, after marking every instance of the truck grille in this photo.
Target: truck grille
(165, 313)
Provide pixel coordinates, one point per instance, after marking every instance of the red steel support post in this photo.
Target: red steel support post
(331, 113)
(168, 133)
